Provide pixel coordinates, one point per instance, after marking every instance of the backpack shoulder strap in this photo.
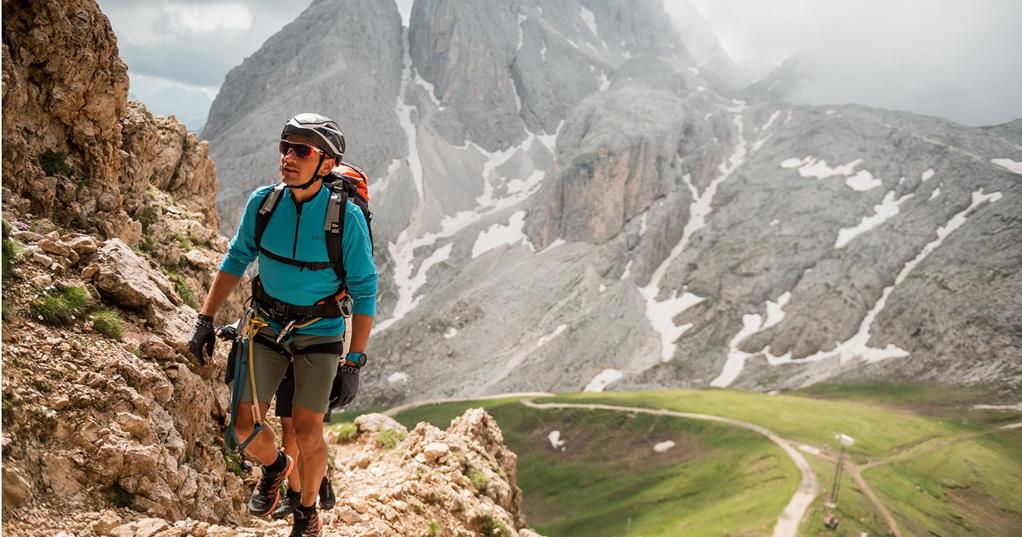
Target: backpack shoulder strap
(333, 229)
(266, 210)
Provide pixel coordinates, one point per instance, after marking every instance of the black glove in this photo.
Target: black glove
(202, 338)
(227, 332)
(345, 385)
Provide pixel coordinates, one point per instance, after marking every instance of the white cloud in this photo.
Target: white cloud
(195, 20)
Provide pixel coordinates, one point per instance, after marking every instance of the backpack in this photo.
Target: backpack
(346, 182)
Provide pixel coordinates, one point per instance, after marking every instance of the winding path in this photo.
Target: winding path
(789, 519)
(856, 470)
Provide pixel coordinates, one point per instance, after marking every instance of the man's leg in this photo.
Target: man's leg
(309, 431)
(289, 441)
(268, 369)
(284, 398)
(314, 376)
(263, 447)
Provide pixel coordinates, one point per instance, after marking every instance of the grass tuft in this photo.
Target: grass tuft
(388, 439)
(478, 479)
(62, 308)
(185, 292)
(346, 432)
(495, 527)
(109, 323)
(54, 163)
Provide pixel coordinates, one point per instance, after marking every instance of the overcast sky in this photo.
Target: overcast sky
(951, 58)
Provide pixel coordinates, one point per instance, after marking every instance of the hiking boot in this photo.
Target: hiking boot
(287, 505)
(307, 523)
(267, 492)
(327, 500)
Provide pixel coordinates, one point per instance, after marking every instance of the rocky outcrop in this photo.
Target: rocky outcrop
(109, 237)
(65, 90)
(75, 151)
(390, 482)
(103, 405)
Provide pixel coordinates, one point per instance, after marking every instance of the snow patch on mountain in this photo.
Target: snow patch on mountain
(404, 113)
(751, 323)
(406, 282)
(557, 331)
(555, 244)
(857, 345)
(499, 235)
(661, 314)
(403, 251)
(1012, 166)
(661, 447)
(881, 213)
(810, 167)
(927, 175)
(935, 193)
(601, 381)
(775, 310)
(555, 440)
(863, 181)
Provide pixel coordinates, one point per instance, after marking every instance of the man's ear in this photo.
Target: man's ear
(328, 164)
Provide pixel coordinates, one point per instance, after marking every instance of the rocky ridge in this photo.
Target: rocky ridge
(390, 483)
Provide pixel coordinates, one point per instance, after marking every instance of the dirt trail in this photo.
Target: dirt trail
(789, 519)
(856, 469)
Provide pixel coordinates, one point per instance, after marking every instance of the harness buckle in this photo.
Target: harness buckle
(285, 332)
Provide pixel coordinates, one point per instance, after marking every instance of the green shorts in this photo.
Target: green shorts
(313, 373)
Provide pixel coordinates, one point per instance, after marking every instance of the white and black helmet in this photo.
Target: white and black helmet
(321, 130)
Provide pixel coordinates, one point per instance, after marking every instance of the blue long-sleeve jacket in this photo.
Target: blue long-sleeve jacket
(297, 233)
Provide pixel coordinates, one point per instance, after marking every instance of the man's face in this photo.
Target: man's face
(295, 170)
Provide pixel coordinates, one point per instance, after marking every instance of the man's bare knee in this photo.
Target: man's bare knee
(287, 426)
(308, 428)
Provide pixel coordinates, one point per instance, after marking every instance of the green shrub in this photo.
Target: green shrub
(233, 464)
(186, 293)
(182, 241)
(495, 527)
(52, 310)
(77, 298)
(62, 308)
(11, 251)
(147, 217)
(388, 439)
(346, 432)
(54, 163)
(109, 323)
(434, 528)
(478, 479)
